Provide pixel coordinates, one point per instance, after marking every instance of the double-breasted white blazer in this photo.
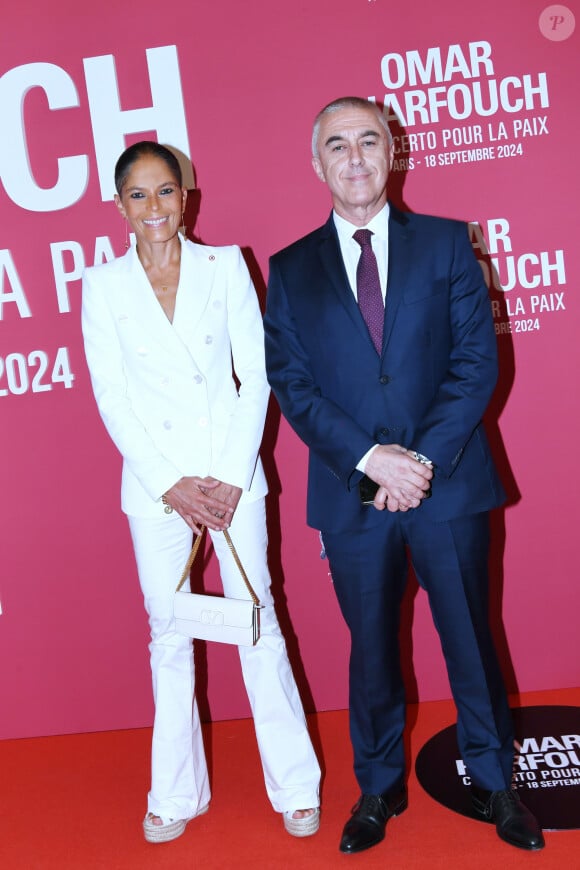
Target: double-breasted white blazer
(166, 391)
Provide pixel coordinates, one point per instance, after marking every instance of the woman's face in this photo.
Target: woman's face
(152, 200)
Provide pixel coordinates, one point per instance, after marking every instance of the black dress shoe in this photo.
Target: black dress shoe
(514, 822)
(366, 826)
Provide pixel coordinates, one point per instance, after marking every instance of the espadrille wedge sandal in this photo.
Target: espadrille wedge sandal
(169, 829)
(304, 827)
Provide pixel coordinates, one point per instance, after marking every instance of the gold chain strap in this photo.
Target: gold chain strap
(230, 543)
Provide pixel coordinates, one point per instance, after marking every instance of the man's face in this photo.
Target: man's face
(354, 159)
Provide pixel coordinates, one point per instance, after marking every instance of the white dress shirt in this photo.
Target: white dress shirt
(350, 250)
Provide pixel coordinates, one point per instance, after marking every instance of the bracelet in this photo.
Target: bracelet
(168, 508)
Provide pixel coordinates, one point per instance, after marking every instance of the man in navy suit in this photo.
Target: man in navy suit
(382, 354)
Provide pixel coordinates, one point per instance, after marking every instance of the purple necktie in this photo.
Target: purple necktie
(368, 289)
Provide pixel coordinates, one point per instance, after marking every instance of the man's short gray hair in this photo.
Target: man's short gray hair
(346, 103)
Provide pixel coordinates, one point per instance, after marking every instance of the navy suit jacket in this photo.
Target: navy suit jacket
(427, 391)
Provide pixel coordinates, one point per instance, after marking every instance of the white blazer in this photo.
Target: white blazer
(166, 391)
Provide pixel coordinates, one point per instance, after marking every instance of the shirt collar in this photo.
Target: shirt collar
(379, 225)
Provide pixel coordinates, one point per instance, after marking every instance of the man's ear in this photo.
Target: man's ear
(317, 166)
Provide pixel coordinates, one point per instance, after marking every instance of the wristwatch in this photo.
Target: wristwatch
(424, 460)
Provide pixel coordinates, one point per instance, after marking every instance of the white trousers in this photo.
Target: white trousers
(179, 778)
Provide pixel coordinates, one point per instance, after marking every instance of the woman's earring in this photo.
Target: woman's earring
(183, 228)
(127, 242)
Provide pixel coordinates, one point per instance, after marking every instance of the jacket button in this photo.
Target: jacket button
(167, 424)
(382, 433)
(208, 339)
(198, 379)
(384, 379)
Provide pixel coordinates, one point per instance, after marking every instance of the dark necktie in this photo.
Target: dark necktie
(368, 289)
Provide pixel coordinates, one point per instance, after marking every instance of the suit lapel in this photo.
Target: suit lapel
(196, 278)
(400, 260)
(333, 265)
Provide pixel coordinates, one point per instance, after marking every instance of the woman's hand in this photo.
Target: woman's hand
(203, 502)
(224, 492)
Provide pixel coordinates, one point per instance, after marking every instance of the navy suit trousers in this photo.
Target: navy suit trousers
(369, 570)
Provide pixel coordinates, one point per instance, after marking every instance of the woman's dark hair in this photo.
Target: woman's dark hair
(140, 149)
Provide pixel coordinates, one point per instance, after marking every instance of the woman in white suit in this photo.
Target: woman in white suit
(165, 328)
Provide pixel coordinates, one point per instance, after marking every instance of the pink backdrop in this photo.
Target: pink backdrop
(486, 97)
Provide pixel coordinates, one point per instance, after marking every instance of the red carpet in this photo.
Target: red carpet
(77, 802)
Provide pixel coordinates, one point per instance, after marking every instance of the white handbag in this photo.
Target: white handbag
(212, 617)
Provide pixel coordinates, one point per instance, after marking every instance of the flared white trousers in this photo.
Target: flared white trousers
(179, 777)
